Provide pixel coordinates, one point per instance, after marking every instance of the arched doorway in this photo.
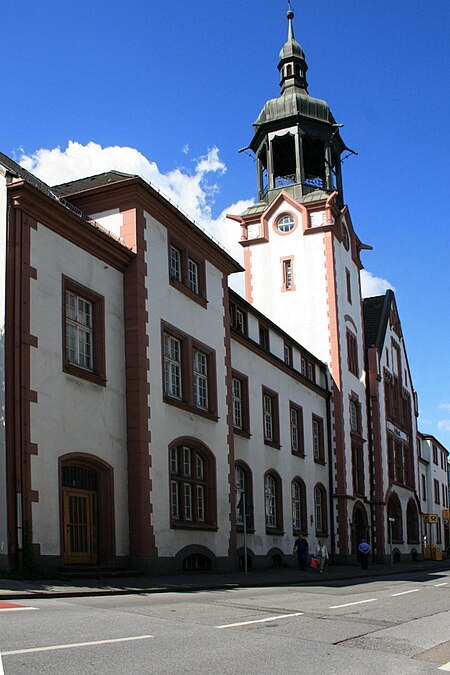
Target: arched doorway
(87, 510)
(360, 527)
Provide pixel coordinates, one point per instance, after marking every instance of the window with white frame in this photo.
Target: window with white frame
(79, 331)
(296, 422)
(200, 381)
(237, 403)
(172, 367)
(320, 509)
(317, 435)
(354, 417)
(193, 271)
(192, 487)
(298, 505)
(175, 264)
(271, 501)
(268, 417)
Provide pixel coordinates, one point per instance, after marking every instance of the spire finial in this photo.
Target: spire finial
(290, 16)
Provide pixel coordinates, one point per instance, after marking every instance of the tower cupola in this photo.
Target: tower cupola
(292, 64)
(297, 143)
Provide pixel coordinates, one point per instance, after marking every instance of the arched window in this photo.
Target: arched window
(273, 502)
(299, 519)
(320, 510)
(244, 490)
(412, 523)
(394, 523)
(192, 486)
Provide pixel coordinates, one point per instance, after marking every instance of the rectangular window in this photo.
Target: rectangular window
(175, 264)
(349, 285)
(287, 267)
(443, 495)
(189, 372)
(358, 470)
(307, 369)
(187, 272)
(288, 354)
(304, 367)
(352, 353)
(436, 491)
(200, 503)
(194, 283)
(270, 418)
(174, 498)
(172, 367)
(83, 332)
(296, 421)
(317, 435)
(264, 339)
(424, 489)
(238, 319)
(435, 455)
(354, 416)
(200, 373)
(187, 501)
(240, 403)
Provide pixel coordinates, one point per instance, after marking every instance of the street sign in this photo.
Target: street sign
(430, 518)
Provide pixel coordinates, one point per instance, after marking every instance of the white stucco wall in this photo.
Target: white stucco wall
(168, 304)
(73, 415)
(3, 522)
(261, 457)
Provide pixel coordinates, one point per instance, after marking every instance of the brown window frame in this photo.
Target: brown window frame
(207, 482)
(349, 285)
(264, 337)
(244, 430)
(98, 373)
(238, 326)
(288, 354)
(276, 529)
(273, 442)
(183, 284)
(300, 452)
(303, 529)
(352, 353)
(437, 488)
(358, 470)
(323, 532)
(320, 458)
(248, 478)
(188, 345)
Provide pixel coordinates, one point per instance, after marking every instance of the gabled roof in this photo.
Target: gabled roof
(376, 312)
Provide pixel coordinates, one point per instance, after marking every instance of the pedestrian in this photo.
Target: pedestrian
(301, 548)
(364, 551)
(321, 555)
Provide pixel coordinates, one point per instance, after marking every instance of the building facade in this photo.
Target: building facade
(152, 417)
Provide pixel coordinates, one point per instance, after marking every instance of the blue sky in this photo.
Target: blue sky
(170, 90)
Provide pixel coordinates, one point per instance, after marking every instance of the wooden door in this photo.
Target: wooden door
(79, 526)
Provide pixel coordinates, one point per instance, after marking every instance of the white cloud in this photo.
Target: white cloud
(444, 406)
(192, 191)
(185, 149)
(444, 425)
(372, 285)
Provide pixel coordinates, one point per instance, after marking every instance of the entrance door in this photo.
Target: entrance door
(79, 526)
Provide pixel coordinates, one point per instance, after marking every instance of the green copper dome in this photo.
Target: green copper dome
(295, 103)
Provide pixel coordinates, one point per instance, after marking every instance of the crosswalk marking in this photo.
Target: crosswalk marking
(414, 590)
(269, 618)
(349, 604)
(75, 644)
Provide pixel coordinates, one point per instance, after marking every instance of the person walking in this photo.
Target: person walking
(321, 555)
(364, 552)
(301, 548)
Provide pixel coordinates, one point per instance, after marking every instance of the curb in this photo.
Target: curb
(193, 588)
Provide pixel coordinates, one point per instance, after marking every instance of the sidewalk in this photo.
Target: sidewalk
(21, 589)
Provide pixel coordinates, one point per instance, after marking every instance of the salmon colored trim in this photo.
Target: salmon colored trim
(284, 288)
(248, 275)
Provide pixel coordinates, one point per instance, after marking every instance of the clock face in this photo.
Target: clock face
(345, 238)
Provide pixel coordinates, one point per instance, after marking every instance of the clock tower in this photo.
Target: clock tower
(302, 266)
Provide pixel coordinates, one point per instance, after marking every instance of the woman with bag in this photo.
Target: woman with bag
(321, 555)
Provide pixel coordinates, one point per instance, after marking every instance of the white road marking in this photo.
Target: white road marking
(15, 609)
(444, 583)
(75, 644)
(270, 618)
(446, 666)
(348, 604)
(414, 590)
(2, 672)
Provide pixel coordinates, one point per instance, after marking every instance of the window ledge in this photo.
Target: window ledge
(241, 432)
(272, 444)
(250, 530)
(274, 531)
(193, 526)
(199, 299)
(319, 461)
(189, 407)
(296, 453)
(82, 374)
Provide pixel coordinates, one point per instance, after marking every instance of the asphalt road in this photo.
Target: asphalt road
(395, 625)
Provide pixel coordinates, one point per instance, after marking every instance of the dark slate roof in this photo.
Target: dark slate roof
(376, 312)
(91, 182)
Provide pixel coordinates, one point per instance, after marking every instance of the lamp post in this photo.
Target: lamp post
(391, 520)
